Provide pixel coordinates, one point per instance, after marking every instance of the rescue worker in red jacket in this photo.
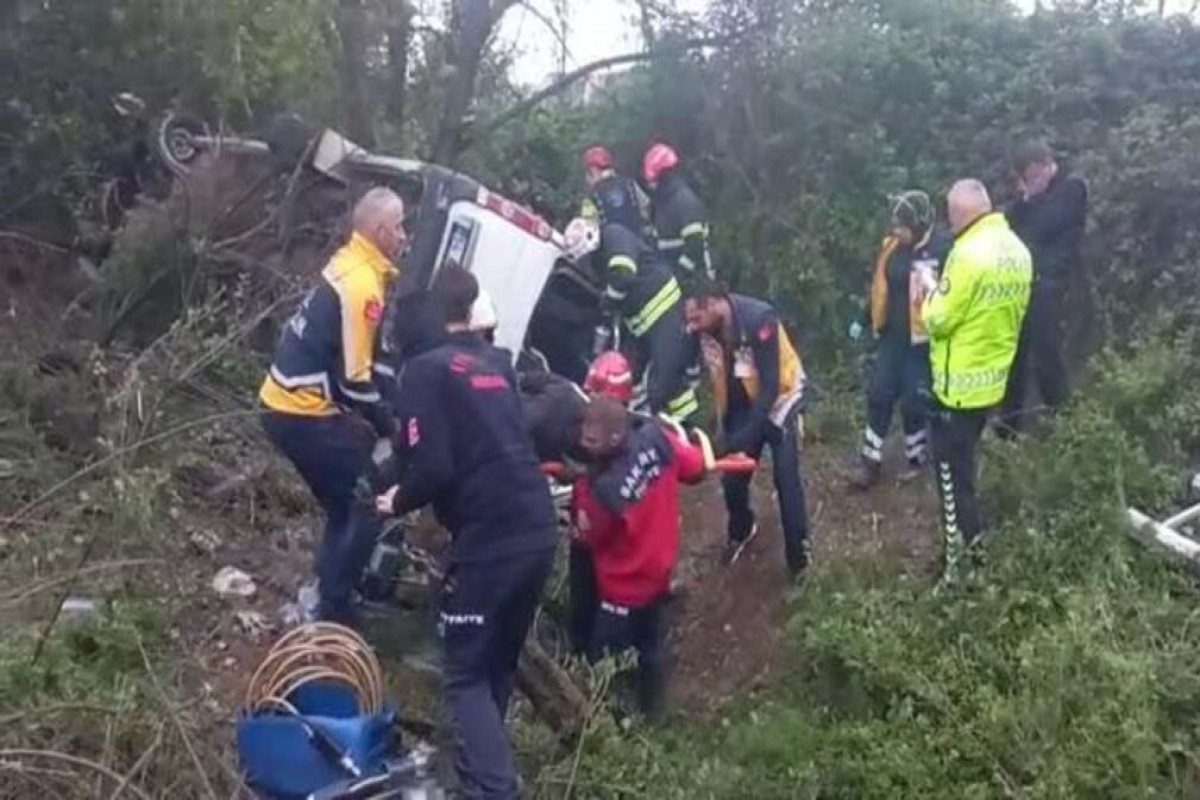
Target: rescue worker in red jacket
(908, 266)
(626, 510)
(643, 294)
(320, 389)
(758, 390)
(680, 220)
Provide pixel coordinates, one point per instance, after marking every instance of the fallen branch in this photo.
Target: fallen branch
(38, 243)
(174, 715)
(23, 512)
(20, 595)
(54, 755)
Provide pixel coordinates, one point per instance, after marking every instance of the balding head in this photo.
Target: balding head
(968, 201)
(379, 217)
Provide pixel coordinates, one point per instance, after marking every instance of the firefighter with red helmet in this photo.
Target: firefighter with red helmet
(679, 217)
(644, 296)
(613, 198)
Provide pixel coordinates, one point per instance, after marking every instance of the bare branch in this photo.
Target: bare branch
(565, 82)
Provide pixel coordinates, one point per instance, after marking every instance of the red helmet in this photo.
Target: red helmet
(597, 157)
(610, 376)
(659, 158)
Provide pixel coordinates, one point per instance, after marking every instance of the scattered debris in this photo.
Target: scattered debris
(253, 623)
(232, 582)
(204, 541)
(76, 610)
(7, 469)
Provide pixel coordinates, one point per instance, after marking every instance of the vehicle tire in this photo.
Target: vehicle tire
(176, 143)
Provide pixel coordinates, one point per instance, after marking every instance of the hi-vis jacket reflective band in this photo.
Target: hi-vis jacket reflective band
(653, 310)
(325, 355)
(758, 335)
(683, 405)
(620, 263)
(974, 318)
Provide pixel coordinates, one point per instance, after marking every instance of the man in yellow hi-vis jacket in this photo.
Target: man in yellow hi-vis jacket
(974, 318)
(320, 388)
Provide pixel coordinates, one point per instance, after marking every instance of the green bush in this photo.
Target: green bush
(1062, 668)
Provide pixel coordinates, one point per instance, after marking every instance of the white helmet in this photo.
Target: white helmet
(483, 313)
(582, 237)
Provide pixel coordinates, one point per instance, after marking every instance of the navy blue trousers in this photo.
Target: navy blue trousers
(486, 610)
(331, 453)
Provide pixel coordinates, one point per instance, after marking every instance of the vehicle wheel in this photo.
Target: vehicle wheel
(177, 143)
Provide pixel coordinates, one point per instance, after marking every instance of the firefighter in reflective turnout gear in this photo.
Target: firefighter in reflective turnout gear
(974, 318)
(320, 389)
(646, 297)
(906, 270)
(612, 198)
(758, 390)
(679, 217)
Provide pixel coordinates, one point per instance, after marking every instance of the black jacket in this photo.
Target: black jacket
(898, 275)
(617, 200)
(639, 282)
(554, 408)
(1051, 225)
(682, 225)
(467, 450)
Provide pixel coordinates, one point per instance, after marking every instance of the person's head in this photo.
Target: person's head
(605, 426)
(597, 163)
(610, 376)
(659, 160)
(968, 201)
(707, 307)
(455, 290)
(379, 218)
(911, 216)
(1033, 167)
(483, 317)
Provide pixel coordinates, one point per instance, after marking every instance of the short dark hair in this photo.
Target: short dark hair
(455, 290)
(607, 414)
(1030, 152)
(706, 289)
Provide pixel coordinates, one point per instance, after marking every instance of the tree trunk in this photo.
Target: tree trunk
(352, 29)
(399, 36)
(555, 697)
(471, 24)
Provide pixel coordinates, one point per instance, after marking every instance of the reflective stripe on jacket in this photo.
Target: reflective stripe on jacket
(325, 354)
(974, 317)
(763, 360)
(637, 279)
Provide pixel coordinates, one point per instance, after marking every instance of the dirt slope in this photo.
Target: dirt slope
(729, 624)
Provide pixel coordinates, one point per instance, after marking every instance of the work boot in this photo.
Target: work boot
(864, 474)
(798, 561)
(914, 469)
(735, 547)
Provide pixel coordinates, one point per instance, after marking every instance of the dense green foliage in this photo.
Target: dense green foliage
(799, 131)
(1066, 667)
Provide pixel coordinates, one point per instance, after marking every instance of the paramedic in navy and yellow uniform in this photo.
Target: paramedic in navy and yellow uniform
(318, 397)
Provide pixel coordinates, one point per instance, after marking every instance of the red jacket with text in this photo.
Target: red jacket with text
(627, 513)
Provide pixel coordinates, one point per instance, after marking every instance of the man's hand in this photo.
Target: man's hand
(386, 502)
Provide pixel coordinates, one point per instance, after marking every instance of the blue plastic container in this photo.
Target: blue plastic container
(280, 761)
